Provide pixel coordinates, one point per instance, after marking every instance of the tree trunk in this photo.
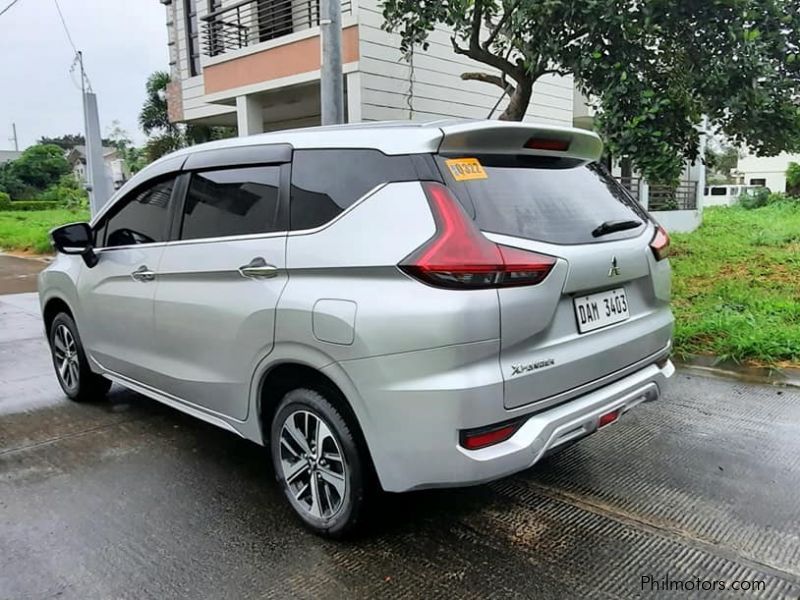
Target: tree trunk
(626, 167)
(519, 101)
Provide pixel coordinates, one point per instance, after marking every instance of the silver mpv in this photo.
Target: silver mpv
(407, 305)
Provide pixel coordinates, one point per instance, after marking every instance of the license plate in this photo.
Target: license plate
(599, 310)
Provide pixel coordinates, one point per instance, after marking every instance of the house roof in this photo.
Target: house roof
(9, 155)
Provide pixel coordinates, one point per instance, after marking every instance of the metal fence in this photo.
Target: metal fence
(246, 23)
(682, 197)
(631, 184)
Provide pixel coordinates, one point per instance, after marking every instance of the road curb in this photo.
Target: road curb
(728, 369)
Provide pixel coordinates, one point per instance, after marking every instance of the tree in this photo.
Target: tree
(166, 136)
(69, 141)
(720, 163)
(655, 67)
(40, 166)
(119, 138)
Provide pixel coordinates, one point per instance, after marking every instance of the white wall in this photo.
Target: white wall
(771, 168)
(438, 89)
(678, 221)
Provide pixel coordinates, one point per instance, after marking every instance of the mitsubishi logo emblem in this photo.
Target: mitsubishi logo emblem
(614, 270)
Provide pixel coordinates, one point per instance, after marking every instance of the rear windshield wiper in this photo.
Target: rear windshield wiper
(612, 226)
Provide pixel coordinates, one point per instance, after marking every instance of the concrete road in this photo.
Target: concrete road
(129, 499)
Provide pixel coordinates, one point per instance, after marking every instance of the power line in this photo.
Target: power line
(78, 58)
(13, 2)
(66, 29)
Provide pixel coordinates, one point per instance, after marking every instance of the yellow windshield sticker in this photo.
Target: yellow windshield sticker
(466, 169)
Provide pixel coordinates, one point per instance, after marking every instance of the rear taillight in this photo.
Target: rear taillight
(460, 257)
(660, 243)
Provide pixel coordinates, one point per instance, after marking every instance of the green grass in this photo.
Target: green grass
(736, 285)
(26, 231)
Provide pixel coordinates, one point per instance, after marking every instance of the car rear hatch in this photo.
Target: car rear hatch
(602, 311)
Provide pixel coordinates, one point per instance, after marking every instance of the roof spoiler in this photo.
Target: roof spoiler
(512, 137)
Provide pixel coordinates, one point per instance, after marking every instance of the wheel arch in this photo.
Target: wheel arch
(52, 307)
(286, 375)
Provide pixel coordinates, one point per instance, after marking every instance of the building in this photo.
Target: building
(255, 64)
(115, 165)
(769, 171)
(9, 155)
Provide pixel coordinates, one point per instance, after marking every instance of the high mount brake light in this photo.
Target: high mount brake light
(460, 257)
(660, 243)
(547, 144)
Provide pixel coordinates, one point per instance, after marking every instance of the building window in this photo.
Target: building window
(192, 37)
(758, 182)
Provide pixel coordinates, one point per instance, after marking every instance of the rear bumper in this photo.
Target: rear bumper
(416, 446)
(546, 431)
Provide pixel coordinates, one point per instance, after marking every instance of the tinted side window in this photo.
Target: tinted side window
(718, 191)
(326, 182)
(232, 202)
(142, 217)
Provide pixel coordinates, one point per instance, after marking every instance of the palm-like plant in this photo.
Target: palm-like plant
(166, 136)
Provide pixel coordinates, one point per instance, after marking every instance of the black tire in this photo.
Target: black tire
(337, 523)
(77, 380)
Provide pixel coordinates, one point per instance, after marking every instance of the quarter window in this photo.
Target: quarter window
(142, 217)
(232, 202)
(326, 182)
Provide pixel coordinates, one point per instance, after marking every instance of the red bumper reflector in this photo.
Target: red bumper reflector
(608, 418)
(482, 439)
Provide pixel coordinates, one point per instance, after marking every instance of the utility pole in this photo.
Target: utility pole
(97, 182)
(331, 85)
(14, 137)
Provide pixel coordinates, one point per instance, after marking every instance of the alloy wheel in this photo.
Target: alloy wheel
(313, 465)
(65, 351)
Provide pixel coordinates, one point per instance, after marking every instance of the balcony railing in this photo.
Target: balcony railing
(253, 21)
(682, 197)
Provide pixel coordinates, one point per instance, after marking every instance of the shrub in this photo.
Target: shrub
(34, 205)
(5, 201)
(67, 193)
(764, 197)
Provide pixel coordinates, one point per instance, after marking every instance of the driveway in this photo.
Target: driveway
(130, 499)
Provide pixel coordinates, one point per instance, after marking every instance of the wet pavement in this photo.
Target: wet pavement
(18, 274)
(130, 499)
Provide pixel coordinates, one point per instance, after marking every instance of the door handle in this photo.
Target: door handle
(258, 269)
(143, 274)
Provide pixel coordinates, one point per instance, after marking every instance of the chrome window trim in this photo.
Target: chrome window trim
(249, 236)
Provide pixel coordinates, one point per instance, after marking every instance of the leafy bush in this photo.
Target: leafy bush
(26, 205)
(763, 197)
(793, 179)
(5, 201)
(67, 193)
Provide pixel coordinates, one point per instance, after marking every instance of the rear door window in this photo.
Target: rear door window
(543, 199)
(229, 202)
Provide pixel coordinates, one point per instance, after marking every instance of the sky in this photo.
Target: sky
(123, 41)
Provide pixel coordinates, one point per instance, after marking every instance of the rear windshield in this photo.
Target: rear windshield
(541, 199)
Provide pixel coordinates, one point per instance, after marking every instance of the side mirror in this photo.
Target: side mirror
(75, 238)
